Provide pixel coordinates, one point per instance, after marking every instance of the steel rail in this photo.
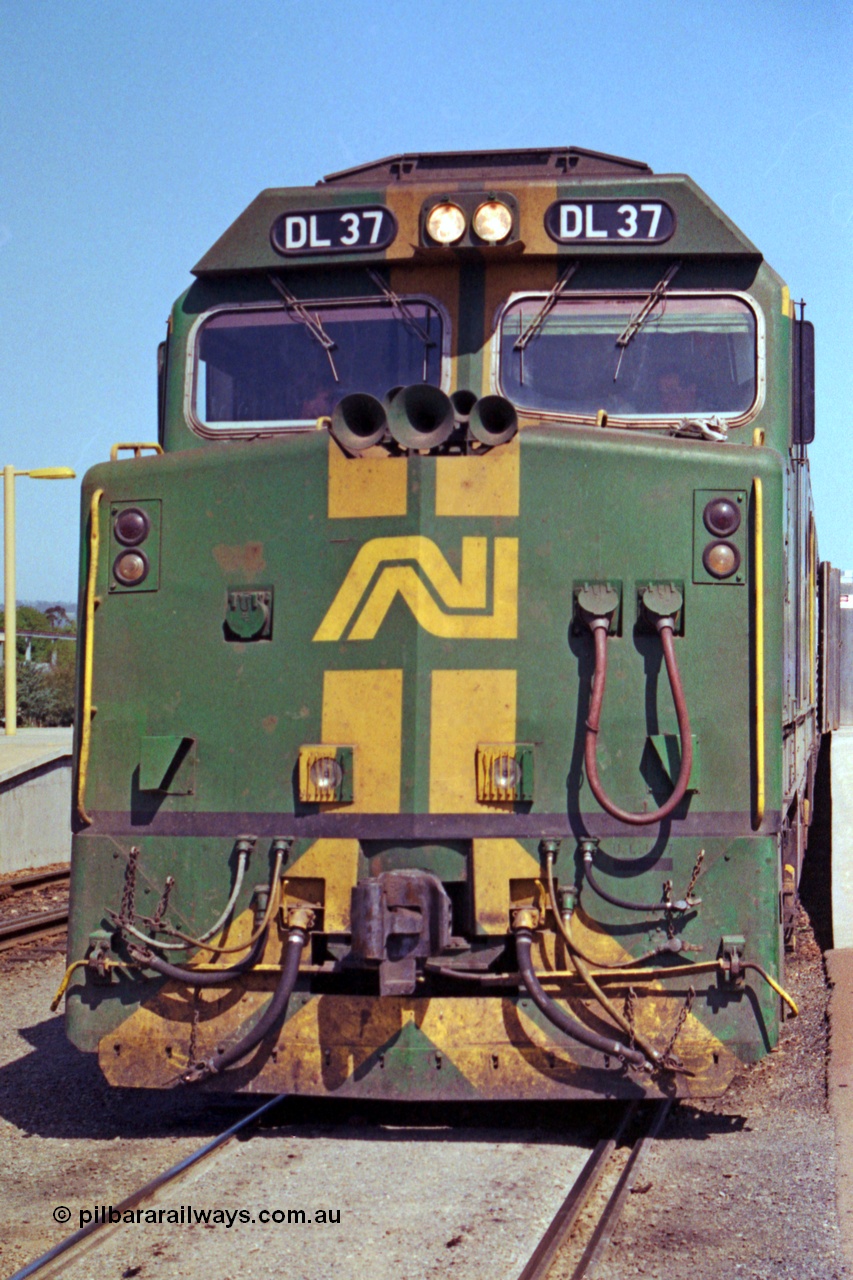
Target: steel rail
(27, 927)
(603, 1230)
(34, 878)
(136, 1197)
(561, 1225)
(564, 1220)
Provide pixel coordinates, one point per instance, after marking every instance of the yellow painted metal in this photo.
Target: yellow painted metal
(48, 473)
(787, 309)
(376, 577)
(467, 708)
(135, 447)
(335, 862)
(87, 710)
(759, 650)
(366, 487)
(485, 484)
(494, 864)
(365, 708)
(757, 437)
(326, 1046)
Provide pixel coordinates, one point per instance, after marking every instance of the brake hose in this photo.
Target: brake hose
(269, 1020)
(578, 961)
(562, 1020)
(199, 977)
(665, 626)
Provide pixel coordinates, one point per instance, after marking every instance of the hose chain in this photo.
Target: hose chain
(628, 1012)
(695, 876)
(669, 1061)
(125, 915)
(163, 904)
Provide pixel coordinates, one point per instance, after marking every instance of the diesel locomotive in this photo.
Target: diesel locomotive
(448, 694)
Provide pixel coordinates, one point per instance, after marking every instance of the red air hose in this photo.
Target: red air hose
(665, 626)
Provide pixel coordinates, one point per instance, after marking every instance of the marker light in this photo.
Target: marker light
(131, 527)
(445, 223)
(721, 517)
(506, 774)
(326, 775)
(721, 559)
(131, 568)
(492, 222)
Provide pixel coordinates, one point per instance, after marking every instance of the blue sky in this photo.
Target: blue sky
(133, 134)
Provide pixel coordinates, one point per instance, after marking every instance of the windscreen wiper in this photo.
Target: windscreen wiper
(397, 302)
(313, 324)
(545, 310)
(640, 317)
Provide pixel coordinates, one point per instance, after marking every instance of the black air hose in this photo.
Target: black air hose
(272, 1016)
(200, 978)
(562, 1020)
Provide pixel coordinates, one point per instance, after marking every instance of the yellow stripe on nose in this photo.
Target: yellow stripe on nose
(467, 708)
(362, 488)
(365, 708)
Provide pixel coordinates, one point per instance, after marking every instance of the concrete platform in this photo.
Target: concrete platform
(839, 964)
(841, 775)
(35, 798)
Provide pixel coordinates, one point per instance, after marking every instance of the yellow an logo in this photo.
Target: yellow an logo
(430, 588)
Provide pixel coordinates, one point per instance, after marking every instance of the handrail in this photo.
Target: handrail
(759, 651)
(87, 710)
(137, 446)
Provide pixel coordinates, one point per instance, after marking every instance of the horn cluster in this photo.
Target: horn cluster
(421, 417)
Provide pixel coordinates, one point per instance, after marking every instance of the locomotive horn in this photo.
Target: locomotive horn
(420, 416)
(493, 420)
(463, 402)
(359, 420)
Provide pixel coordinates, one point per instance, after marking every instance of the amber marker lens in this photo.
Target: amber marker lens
(721, 559)
(492, 222)
(131, 568)
(326, 775)
(131, 527)
(721, 517)
(445, 223)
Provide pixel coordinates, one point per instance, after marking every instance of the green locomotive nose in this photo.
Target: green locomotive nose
(436, 668)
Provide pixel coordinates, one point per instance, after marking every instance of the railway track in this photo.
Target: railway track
(584, 1188)
(561, 1233)
(38, 924)
(145, 1192)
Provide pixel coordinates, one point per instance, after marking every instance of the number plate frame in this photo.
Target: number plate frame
(368, 228)
(619, 222)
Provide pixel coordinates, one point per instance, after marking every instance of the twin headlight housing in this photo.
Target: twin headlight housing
(471, 219)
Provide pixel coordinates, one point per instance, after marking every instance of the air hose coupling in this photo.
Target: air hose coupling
(301, 918)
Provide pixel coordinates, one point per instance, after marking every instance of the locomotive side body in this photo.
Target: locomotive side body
(347, 693)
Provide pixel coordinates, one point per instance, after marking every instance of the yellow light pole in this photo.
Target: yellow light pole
(10, 650)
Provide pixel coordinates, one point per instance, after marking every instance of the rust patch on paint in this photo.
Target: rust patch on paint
(269, 723)
(248, 558)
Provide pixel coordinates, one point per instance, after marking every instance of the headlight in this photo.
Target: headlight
(445, 223)
(492, 222)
